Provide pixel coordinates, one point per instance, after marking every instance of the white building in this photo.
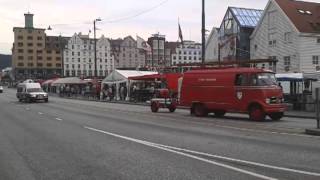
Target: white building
(188, 52)
(212, 45)
(289, 31)
(127, 54)
(78, 57)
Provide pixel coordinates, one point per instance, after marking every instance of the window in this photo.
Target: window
(241, 80)
(20, 57)
(78, 59)
(58, 58)
(20, 37)
(30, 38)
(39, 64)
(79, 66)
(49, 51)
(49, 64)
(58, 65)
(318, 40)
(67, 66)
(30, 57)
(72, 53)
(255, 47)
(272, 19)
(78, 53)
(315, 60)
(20, 50)
(39, 44)
(272, 39)
(39, 57)
(49, 58)
(39, 38)
(20, 64)
(287, 61)
(30, 64)
(30, 44)
(39, 51)
(288, 37)
(20, 44)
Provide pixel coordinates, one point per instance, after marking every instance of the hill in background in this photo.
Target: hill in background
(5, 61)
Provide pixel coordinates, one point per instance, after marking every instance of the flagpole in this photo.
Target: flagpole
(203, 32)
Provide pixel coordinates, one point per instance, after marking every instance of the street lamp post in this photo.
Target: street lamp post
(203, 32)
(95, 46)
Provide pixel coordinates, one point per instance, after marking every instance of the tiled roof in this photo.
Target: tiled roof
(304, 15)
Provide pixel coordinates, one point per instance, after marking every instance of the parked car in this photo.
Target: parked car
(1, 89)
(31, 92)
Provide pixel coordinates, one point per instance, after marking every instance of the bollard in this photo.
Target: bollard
(317, 107)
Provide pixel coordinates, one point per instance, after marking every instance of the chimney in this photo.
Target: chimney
(28, 19)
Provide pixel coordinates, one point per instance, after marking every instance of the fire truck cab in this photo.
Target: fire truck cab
(244, 90)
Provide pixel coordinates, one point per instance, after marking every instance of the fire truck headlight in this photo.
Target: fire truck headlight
(268, 101)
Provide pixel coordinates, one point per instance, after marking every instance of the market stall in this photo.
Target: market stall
(117, 85)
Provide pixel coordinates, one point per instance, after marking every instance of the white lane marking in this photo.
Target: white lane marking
(242, 161)
(40, 113)
(150, 144)
(58, 119)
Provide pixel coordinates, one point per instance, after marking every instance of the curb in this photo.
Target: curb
(314, 132)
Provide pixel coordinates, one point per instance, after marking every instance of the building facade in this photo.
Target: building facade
(34, 55)
(158, 56)
(233, 35)
(79, 57)
(186, 53)
(289, 32)
(212, 45)
(127, 54)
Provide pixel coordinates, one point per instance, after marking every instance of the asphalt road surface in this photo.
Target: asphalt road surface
(71, 139)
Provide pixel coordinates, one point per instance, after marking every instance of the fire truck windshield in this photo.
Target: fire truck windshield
(264, 79)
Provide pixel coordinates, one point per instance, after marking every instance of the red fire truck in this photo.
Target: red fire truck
(244, 90)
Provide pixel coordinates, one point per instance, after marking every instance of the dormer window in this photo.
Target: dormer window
(304, 12)
(309, 12)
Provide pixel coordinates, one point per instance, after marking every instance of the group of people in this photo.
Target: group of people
(89, 91)
(109, 92)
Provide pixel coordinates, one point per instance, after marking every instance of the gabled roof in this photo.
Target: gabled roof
(246, 17)
(304, 15)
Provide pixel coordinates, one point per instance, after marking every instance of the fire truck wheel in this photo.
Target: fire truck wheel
(172, 109)
(276, 116)
(154, 107)
(219, 113)
(200, 110)
(256, 113)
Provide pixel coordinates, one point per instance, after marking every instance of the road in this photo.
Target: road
(72, 139)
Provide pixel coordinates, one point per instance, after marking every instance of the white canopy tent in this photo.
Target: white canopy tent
(118, 77)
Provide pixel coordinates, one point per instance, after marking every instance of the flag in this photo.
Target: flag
(142, 44)
(180, 33)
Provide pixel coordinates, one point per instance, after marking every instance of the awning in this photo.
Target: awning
(70, 80)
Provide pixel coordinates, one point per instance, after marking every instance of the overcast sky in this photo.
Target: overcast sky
(120, 17)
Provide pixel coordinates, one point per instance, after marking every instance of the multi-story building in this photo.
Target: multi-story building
(186, 53)
(34, 55)
(234, 34)
(158, 54)
(127, 54)
(289, 31)
(79, 57)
